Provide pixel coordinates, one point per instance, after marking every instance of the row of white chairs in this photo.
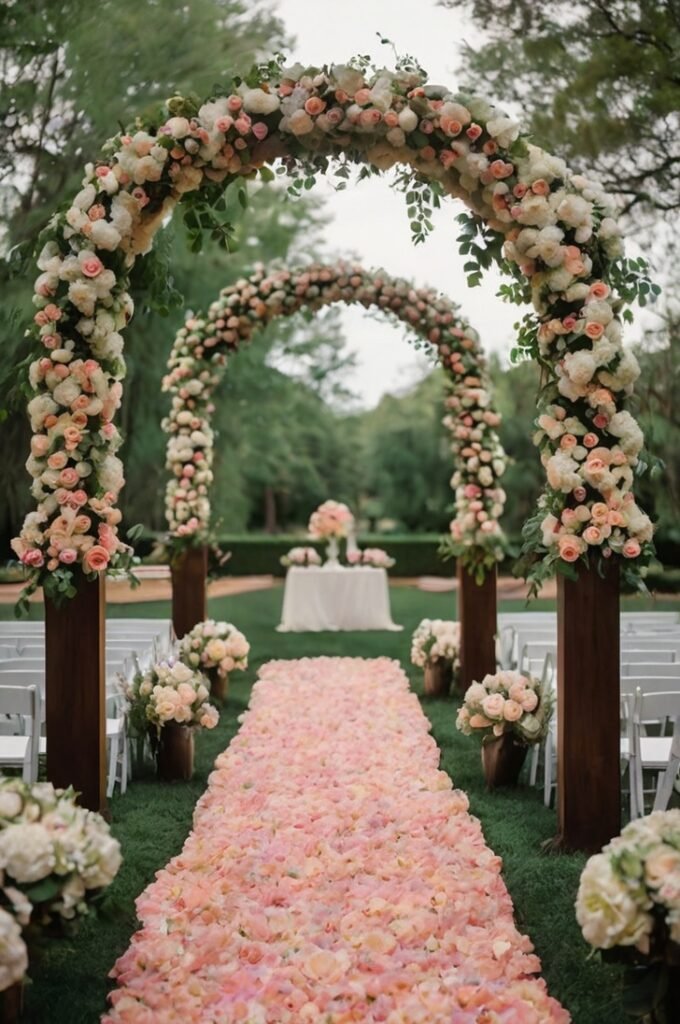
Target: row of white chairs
(650, 698)
(130, 645)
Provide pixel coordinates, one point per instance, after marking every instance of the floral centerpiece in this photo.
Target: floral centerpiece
(375, 557)
(511, 711)
(215, 648)
(628, 905)
(56, 858)
(331, 521)
(301, 557)
(435, 647)
(168, 701)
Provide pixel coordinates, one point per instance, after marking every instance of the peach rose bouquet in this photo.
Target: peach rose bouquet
(169, 692)
(507, 702)
(332, 520)
(628, 905)
(377, 558)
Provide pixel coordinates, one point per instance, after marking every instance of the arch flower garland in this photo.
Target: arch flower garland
(554, 232)
(199, 358)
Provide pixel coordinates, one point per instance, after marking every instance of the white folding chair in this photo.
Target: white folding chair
(658, 669)
(658, 754)
(21, 750)
(632, 655)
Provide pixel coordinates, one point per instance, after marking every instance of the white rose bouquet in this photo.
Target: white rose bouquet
(506, 702)
(55, 858)
(628, 905)
(169, 692)
(301, 557)
(215, 645)
(435, 640)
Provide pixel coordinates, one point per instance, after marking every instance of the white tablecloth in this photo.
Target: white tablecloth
(318, 598)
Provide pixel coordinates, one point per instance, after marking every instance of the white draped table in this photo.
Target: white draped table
(339, 598)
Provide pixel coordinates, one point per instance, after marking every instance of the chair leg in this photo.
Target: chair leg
(665, 783)
(124, 764)
(547, 769)
(113, 761)
(533, 769)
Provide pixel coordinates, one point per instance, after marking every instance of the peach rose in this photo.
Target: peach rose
(569, 548)
(529, 701)
(315, 105)
(594, 330)
(91, 266)
(96, 559)
(493, 705)
(57, 460)
(512, 711)
(592, 535)
(591, 440)
(69, 477)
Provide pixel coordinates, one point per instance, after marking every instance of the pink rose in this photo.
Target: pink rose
(96, 559)
(591, 440)
(68, 556)
(473, 132)
(33, 557)
(493, 705)
(599, 290)
(579, 494)
(315, 105)
(568, 441)
(631, 549)
(234, 103)
(260, 130)
(529, 700)
(40, 445)
(68, 477)
(91, 266)
(97, 212)
(57, 460)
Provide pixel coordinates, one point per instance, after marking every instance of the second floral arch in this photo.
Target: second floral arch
(199, 358)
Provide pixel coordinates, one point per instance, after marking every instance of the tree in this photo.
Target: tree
(598, 82)
(69, 74)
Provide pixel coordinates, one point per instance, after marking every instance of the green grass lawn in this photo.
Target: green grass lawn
(152, 821)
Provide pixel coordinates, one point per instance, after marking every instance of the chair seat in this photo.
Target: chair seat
(113, 728)
(13, 749)
(655, 751)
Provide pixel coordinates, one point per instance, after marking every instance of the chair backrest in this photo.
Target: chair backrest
(656, 684)
(631, 656)
(25, 702)
(548, 673)
(647, 643)
(536, 650)
(668, 669)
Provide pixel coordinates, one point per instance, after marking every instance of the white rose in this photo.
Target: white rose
(408, 120)
(349, 79)
(26, 852)
(257, 101)
(503, 129)
(67, 391)
(83, 295)
(13, 954)
(104, 235)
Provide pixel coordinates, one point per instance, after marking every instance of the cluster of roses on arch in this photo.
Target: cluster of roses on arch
(554, 232)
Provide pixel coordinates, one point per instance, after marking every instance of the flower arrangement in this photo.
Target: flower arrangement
(556, 230)
(301, 557)
(167, 693)
(214, 645)
(331, 520)
(56, 859)
(628, 905)
(375, 557)
(199, 358)
(435, 640)
(507, 702)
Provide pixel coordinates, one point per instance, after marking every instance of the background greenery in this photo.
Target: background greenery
(152, 821)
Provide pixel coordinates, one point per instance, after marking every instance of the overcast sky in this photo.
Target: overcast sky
(369, 219)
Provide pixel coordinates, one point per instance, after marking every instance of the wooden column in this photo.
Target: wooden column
(588, 670)
(477, 617)
(189, 590)
(75, 689)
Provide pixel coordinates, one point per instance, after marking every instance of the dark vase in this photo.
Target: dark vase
(438, 678)
(502, 759)
(12, 1003)
(175, 752)
(219, 683)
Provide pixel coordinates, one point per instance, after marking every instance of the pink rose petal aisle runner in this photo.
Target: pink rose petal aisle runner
(333, 876)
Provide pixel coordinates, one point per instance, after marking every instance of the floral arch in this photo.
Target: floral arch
(554, 233)
(199, 360)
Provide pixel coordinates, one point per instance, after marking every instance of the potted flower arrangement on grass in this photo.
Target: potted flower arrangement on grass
(301, 557)
(169, 701)
(511, 711)
(56, 859)
(435, 647)
(374, 557)
(331, 522)
(216, 649)
(628, 906)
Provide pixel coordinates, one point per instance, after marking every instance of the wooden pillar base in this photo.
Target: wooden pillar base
(76, 692)
(189, 590)
(477, 617)
(588, 671)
